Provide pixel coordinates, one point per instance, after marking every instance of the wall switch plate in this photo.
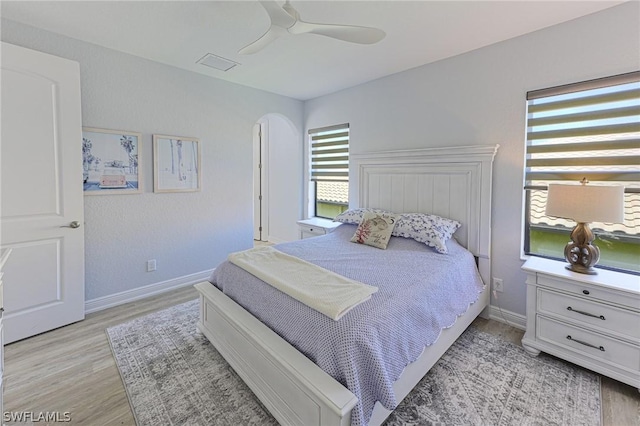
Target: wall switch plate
(151, 265)
(497, 284)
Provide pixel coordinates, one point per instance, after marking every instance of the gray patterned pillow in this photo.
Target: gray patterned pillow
(426, 228)
(354, 216)
(375, 229)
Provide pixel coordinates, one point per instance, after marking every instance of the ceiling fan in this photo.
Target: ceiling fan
(286, 20)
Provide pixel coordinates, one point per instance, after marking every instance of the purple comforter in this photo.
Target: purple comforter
(420, 293)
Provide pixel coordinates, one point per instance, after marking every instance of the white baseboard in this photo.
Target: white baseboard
(507, 317)
(127, 296)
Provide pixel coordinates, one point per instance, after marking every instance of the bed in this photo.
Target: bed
(451, 182)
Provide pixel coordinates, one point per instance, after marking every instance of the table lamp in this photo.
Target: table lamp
(584, 204)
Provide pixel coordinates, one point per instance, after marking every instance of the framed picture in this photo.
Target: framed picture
(176, 164)
(110, 161)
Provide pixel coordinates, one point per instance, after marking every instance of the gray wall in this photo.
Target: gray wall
(479, 98)
(185, 232)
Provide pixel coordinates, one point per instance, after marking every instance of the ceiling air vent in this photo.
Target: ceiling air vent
(217, 62)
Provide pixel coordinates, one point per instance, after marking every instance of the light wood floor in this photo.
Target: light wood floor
(71, 369)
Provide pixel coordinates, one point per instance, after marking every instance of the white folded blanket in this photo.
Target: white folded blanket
(325, 291)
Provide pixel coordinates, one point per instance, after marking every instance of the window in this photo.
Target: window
(329, 184)
(592, 130)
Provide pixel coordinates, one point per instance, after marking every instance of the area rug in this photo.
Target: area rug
(174, 376)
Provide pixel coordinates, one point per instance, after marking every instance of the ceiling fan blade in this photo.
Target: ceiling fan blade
(351, 33)
(273, 33)
(278, 15)
(286, 20)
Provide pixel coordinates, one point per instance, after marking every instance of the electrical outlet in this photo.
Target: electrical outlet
(151, 265)
(497, 284)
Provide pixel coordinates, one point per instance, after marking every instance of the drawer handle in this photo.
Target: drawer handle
(585, 343)
(569, 308)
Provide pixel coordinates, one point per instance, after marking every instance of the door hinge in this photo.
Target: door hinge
(260, 229)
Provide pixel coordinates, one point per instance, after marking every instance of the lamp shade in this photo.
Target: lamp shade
(586, 203)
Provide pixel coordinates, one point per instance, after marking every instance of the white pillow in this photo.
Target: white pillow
(354, 216)
(375, 229)
(426, 228)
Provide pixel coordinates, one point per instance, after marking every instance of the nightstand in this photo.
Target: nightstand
(589, 320)
(316, 226)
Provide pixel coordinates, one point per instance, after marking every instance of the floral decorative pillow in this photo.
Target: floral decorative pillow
(375, 229)
(430, 229)
(354, 216)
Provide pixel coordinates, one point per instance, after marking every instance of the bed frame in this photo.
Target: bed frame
(453, 182)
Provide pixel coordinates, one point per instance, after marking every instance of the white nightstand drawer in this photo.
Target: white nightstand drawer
(590, 291)
(577, 309)
(312, 230)
(588, 343)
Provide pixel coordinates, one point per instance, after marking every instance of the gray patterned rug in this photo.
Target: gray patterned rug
(174, 376)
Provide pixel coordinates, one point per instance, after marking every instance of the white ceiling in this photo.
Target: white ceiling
(304, 66)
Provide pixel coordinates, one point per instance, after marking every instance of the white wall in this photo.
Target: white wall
(185, 232)
(479, 98)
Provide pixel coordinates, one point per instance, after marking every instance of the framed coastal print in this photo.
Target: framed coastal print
(176, 164)
(110, 161)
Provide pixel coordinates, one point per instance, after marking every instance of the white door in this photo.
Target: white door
(260, 213)
(41, 192)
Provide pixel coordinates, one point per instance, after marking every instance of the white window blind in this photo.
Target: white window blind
(330, 153)
(573, 131)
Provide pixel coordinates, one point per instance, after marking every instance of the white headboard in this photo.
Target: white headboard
(453, 182)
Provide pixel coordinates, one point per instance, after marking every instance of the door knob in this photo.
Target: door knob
(75, 224)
